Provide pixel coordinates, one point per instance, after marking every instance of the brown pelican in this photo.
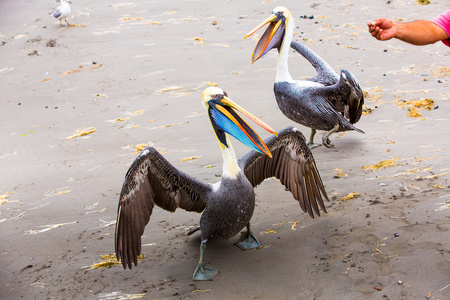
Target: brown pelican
(326, 101)
(228, 205)
(62, 12)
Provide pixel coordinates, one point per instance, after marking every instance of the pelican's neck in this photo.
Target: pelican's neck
(230, 165)
(282, 65)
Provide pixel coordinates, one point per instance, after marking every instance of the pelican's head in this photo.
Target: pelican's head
(224, 119)
(273, 36)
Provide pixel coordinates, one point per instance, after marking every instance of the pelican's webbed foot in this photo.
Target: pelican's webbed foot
(247, 241)
(204, 272)
(310, 143)
(326, 137)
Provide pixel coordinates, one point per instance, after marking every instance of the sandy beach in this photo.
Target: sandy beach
(77, 104)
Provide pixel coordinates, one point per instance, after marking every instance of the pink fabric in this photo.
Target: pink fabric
(443, 21)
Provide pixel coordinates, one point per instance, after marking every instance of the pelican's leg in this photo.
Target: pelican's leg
(68, 22)
(310, 143)
(247, 240)
(60, 23)
(203, 272)
(325, 138)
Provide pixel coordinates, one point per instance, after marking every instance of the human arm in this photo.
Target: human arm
(420, 32)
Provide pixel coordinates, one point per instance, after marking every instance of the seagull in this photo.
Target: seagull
(226, 206)
(326, 101)
(63, 12)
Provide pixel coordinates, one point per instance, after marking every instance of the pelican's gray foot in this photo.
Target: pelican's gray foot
(310, 143)
(247, 241)
(326, 142)
(326, 137)
(204, 272)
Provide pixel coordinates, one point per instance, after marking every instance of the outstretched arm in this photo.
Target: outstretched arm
(420, 32)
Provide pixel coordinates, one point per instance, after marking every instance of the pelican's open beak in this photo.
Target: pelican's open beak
(224, 119)
(272, 37)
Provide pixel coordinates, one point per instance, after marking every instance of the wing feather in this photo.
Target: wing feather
(152, 180)
(293, 164)
(57, 13)
(325, 73)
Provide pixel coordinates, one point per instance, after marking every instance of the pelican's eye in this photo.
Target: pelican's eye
(280, 15)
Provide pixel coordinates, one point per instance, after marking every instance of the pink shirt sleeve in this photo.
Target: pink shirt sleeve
(443, 21)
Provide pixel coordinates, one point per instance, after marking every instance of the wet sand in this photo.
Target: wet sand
(135, 74)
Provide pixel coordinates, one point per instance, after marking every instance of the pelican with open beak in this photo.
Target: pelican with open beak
(324, 102)
(227, 206)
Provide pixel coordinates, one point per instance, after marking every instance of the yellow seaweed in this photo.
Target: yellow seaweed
(81, 132)
(413, 112)
(199, 40)
(122, 119)
(189, 158)
(4, 198)
(139, 148)
(382, 164)
(350, 196)
(131, 19)
(210, 83)
(338, 172)
(366, 110)
(441, 72)
(109, 260)
(170, 89)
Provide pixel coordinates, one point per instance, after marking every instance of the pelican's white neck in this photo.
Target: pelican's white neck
(282, 65)
(230, 165)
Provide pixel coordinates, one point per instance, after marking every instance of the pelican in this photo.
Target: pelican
(324, 102)
(228, 205)
(63, 12)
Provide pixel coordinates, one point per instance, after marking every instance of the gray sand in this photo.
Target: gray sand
(138, 67)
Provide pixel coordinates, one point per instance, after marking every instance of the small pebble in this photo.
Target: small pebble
(378, 288)
(383, 184)
(214, 22)
(396, 235)
(399, 282)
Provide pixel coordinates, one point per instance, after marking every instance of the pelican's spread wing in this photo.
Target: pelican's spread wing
(151, 180)
(350, 100)
(325, 73)
(355, 100)
(293, 164)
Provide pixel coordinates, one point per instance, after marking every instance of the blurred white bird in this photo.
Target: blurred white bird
(63, 11)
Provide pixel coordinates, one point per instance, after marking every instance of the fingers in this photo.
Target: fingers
(378, 22)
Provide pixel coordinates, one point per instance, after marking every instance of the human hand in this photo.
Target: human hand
(382, 29)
